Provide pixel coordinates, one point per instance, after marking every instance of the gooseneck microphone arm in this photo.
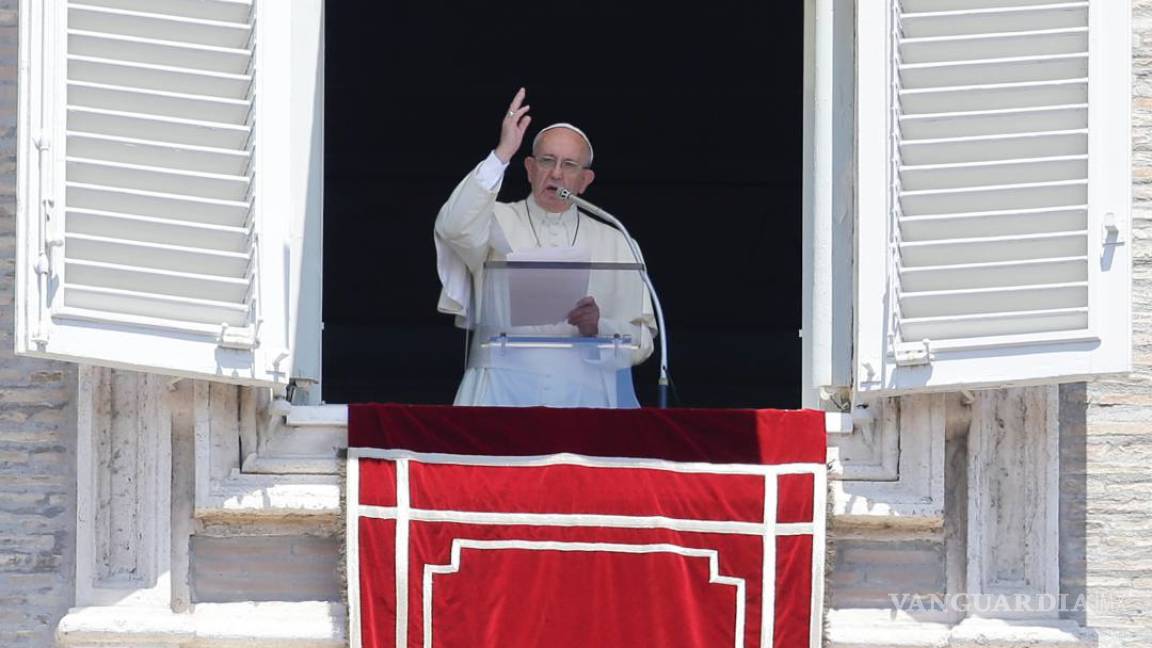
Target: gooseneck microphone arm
(662, 386)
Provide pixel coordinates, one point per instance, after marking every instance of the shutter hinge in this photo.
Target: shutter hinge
(242, 337)
(54, 241)
(911, 354)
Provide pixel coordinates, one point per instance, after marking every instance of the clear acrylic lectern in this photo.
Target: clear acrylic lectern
(525, 353)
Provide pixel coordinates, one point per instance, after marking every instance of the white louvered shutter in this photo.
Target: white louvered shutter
(156, 208)
(994, 192)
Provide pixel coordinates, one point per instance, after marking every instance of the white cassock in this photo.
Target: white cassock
(472, 228)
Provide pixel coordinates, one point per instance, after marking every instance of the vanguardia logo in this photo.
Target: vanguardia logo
(1001, 603)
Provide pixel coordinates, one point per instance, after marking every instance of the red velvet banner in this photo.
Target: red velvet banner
(506, 527)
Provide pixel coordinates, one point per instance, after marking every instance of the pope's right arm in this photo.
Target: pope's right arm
(464, 224)
(465, 221)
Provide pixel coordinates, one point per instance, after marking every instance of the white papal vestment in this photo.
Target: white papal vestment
(471, 228)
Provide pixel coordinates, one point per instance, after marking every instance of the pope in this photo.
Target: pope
(473, 227)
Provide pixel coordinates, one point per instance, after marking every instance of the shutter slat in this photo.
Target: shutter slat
(239, 11)
(136, 151)
(156, 52)
(164, 78)
(995, 173)
(1039, 68)
(995, 20)
(994, 224)
(931, 6)
(160, 257)
(992, 97)
(995, 147)
(153, 305)
(172, 284)
(156, 230)
(993, 249)
(974, 301)
(1003, 274)
(162, 104)
(157, 26)
(130, 176)
(968, 47)
(146, 203)
(994, 122)
(983, 199)
(988, 325)
(158, 129)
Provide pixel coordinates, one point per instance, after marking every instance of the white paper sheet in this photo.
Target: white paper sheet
(546, 295)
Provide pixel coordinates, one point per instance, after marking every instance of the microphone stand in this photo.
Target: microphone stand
(662, 385)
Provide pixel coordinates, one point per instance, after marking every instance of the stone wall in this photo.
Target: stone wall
(1117, 512)
(37, 430)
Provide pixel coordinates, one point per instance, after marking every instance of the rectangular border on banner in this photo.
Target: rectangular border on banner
(404, 514)
(459, 543)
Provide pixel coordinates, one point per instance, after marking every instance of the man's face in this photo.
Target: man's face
(559, 160)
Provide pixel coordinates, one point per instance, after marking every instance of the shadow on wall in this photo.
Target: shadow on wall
(1074, 496)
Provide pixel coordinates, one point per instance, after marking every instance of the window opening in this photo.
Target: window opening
(696, 116)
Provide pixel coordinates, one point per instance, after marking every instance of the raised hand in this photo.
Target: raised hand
(585, 317)
(512, 129)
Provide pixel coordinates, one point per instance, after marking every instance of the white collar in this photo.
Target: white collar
(566, 217)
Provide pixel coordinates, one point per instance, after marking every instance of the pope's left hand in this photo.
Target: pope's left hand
(585, 317)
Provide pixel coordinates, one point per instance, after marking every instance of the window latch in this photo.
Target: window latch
(911, 354)
(1111, 230)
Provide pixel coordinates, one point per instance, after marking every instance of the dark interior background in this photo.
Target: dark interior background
(696, 116)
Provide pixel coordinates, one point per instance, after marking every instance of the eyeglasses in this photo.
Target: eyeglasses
(548, 162)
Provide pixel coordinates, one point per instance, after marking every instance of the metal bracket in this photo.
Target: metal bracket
(864, 420)
(1111, 230)
(838, 397)
(243, 338)
(280, 407)
(911, 354)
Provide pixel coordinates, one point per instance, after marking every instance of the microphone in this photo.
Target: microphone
(566, 195)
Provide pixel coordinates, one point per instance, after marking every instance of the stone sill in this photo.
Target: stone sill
(314, 624)
(296, 474)
(323, 625)
(337, 416)
(877, 629)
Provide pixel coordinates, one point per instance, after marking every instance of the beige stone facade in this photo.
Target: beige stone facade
(37, 430)
(1117, 505)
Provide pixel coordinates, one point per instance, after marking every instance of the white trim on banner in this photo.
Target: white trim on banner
(403, 507)
(587, 461)
(458, 544)
(587, 520)
(352, 548)
(768, 568)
